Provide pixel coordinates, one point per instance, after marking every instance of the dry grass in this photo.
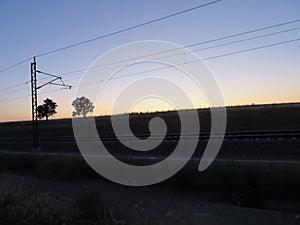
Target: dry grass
(244, 185)
(20, 205)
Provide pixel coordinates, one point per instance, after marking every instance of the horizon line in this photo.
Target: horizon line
(165, 111)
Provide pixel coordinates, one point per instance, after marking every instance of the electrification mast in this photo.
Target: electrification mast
(34, 99)
(35, 132)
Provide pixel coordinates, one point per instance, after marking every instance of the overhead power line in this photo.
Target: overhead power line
(70, 73)
(127, 29)
(245, 32)
(15, 98)
(14, 86)
(200, 43)
(101, 67)
(143, 24)
(247, 39)
(26, 96)
(169, 66)
(110, 34)
(53, 81)
(14, 91)
(18, 85)
(194, 61)
(14, 65)
(253, 49)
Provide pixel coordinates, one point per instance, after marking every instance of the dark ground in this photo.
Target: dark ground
(241, 118)
(158, 206)
(261, 173)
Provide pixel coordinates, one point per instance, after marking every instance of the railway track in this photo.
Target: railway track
(277, 134)
(241, 147)
(147, 158)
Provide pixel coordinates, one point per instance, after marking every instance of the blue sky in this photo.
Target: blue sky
(32, 27)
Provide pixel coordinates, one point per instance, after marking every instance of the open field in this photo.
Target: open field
(256, 167)
(241, 118)
(262, 132)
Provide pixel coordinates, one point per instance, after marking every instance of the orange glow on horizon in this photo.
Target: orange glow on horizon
(145, 107)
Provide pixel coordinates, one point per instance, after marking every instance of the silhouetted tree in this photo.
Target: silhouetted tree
(82, 106)
(47, 109)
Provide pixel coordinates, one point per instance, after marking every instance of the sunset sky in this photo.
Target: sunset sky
(28, 28)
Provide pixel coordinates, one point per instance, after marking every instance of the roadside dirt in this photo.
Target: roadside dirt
(152, 205)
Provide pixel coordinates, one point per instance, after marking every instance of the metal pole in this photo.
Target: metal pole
(34, 96)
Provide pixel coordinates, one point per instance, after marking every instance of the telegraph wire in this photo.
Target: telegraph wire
(247, 39)
(15, 98)
(187, 46)
(102, 67)
(26, 96)
(169, 66)
(238, 41)
(199, 43)
(252, 49)
(111, 34)
(15, 91)
(14, 86)
(127, 29)
(22, 84)
(14, 65)
(204, 59)
(244, 33)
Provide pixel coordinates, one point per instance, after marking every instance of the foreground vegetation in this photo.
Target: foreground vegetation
(20, 205)
(239, 184)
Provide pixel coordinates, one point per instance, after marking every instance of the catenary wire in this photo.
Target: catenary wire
(161, 68)
(193, 45)
(110, 34)
(99, 68)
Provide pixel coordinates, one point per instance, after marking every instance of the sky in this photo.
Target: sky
(28, 28)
